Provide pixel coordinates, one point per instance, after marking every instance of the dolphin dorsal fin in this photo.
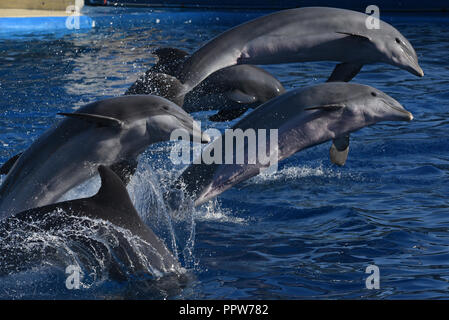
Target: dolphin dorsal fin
(103, 121)
(113, 194)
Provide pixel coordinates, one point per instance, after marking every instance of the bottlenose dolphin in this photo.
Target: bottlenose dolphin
(232, 90)
(111, 204)
(300, 35)
(110, 132)
(304, 118)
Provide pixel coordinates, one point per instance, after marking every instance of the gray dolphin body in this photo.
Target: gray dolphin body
(304, 118)
(232, 90)
(111, 204)
(110, 132)
(300, 35)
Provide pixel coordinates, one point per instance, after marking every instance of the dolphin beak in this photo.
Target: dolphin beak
(418, 71)
(413, 67)
(410, 116)
(403, 114)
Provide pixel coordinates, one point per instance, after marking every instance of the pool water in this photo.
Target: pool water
(308, 231)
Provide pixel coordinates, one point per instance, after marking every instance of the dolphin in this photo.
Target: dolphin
(232, 90)
(301, 35)
(304, 118)
(109, 132)
(111, 204)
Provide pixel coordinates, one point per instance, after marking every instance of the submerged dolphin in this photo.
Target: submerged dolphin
(111, 204)
(110, 132)
(304, 118)
(232, 90)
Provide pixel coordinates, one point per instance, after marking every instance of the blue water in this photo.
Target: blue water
(308, 231)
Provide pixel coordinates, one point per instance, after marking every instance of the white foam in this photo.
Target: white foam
(212, 211)
(294, 173)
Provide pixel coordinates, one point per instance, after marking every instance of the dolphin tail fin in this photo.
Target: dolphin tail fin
(160, 84)
(4, 169)
(339, 150)
(113, 193)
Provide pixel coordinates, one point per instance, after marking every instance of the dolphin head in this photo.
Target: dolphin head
(367, 106)
(168, 117)
(348, 107)
(147, 119)
(396, 49)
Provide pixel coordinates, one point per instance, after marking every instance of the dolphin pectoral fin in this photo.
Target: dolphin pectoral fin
(241, 97)
(4, 169)
(125, 169)
(102, 121)
(339, 150)
(326, 107)
(345, 72)
(228, 114)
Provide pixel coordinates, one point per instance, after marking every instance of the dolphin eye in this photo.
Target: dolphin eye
(374, 94)
(165, 108)
(398, 41)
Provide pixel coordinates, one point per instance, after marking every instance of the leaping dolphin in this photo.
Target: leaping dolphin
(297, 35)
(110, 132)
(300, 35)
(232, 90)
(111, 204)
(304, 118)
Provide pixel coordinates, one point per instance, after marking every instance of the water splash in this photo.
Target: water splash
(294, 173)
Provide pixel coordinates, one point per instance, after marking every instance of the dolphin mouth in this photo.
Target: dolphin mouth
(418, 71)
(414, 66)
(408, 115)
